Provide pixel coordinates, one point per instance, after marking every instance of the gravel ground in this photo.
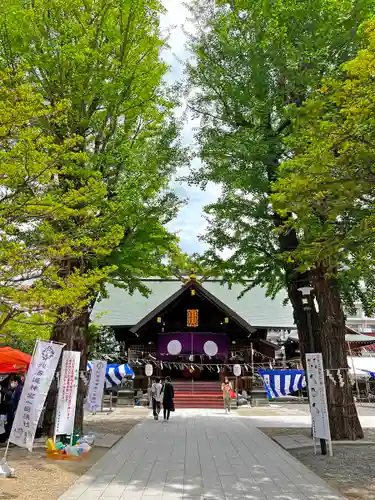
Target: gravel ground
(40, 479)
(351, 470)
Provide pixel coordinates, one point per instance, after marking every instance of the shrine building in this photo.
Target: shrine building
(194, 331)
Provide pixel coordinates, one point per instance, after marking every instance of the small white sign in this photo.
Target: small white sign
(237, 370)
(38, 380)
(96, 386)
(67, 397)
(317, 396)
(149, 370)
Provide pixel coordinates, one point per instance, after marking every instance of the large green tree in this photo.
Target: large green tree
(103, 59)
(183, 266)
(328, 183)
(33, 204)
(253, 59)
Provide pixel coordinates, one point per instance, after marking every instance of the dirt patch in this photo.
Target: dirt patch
(42, 479)
(114, 426)
(351, 470)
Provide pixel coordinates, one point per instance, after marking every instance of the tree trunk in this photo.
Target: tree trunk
(74, 335)
(288, 242)
(328, 326)
(328, 330)
(330, 341)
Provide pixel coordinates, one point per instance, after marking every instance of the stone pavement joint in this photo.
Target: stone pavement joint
(199, 457)
(297, 441)
(106, 440)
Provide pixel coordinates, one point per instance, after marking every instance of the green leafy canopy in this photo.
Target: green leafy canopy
(253, 59)
(328, 184)
(98, 211)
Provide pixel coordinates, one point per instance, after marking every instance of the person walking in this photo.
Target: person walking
(168, 395)
(227, 389)
(156, 392)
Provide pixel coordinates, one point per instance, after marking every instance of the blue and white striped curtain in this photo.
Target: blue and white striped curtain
(115, 374)
(282, 382)
(372, 374)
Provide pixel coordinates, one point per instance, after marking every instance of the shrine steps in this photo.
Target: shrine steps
(198, 394)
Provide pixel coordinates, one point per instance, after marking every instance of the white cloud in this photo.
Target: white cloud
(190, 223)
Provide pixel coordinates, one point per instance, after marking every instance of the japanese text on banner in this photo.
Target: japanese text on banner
(96, 386)
(317, 396)
(38, 380)
(67, 397)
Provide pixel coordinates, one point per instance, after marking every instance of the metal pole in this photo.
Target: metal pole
(309, 324)
(355, 374)
(252, 372)
(323, 444)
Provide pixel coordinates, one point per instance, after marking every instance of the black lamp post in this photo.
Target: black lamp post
(306, 293)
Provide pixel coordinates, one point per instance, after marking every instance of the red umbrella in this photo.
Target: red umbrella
(13, 360)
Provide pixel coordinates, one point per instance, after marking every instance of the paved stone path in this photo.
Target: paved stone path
(198, 457)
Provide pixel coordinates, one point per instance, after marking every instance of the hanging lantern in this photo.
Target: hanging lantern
(226, 320)
(192, 292)
(158, 319)
(192, 318)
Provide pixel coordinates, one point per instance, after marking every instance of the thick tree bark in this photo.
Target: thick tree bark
(74, 335)
(288, 242)
(328, 327)
(330, 341)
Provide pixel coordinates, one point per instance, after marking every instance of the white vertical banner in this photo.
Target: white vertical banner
(96, 386)
(67, 397)
(38, 380)
(318, 397)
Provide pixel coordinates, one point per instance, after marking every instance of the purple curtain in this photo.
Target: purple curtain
(171, 345)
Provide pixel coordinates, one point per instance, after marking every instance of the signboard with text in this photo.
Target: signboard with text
(67, 397)
(96, 386)
(38, 380)
(317, 396)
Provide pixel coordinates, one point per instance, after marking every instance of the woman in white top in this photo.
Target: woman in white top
(156, 391)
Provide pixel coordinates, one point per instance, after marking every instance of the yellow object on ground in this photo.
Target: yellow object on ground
(51, 447)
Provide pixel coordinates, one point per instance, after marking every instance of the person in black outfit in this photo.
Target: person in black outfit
(10, 401)
(168, 395)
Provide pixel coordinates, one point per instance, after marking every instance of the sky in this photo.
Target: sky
(190, 223)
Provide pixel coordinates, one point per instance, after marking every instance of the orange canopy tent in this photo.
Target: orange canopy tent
(13, 361)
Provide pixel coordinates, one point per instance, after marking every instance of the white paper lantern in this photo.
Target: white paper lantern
(174, 347)
(149, 370)
(237, 370)
(210, 348)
